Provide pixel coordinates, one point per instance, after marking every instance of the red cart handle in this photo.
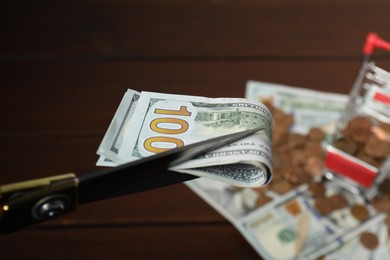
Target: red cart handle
(374, 41)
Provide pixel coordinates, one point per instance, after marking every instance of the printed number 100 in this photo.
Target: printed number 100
(159, 126)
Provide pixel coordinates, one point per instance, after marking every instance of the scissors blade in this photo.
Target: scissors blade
(150, 172)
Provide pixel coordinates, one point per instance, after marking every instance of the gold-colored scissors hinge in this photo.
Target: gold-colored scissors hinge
(29, 202)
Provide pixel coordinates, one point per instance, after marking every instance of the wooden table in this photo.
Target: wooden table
(65, 66)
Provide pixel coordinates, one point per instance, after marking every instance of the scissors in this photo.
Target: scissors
(30, 202)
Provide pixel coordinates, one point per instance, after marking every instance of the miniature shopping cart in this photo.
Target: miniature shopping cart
(358, 154)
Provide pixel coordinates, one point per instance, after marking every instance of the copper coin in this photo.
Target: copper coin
(316, 134)
(298, 157)
(323, 206)
(293, 207)
(289, 174)
(360, 212)
(301, 175)
(281, 187)
(314, 148)
(376, 147)
(282, 147)
(337, 201)
(278, 115)
(282, 118)
(314, 166)
(385, 127)
(279, 135)
(347, 146)
(288, 120)
(358, 129)
(295, 175)
(317, 189)
(382, 204)
(369, 240)
(296, 140)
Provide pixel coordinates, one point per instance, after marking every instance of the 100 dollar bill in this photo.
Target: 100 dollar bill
(310, 108)
(158, 122)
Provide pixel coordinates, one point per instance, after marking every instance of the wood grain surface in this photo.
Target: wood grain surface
(65, 65)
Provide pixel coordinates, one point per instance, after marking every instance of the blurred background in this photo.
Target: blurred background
(65, 65)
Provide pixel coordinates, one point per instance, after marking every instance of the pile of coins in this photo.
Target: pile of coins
(366, 139)
(296, 158)
(299, 159)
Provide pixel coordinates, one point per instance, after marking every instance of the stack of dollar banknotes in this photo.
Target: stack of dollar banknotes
(294, 216)
(147, 123)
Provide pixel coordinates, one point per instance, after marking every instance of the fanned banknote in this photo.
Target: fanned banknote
(150, 123)
(113, 138)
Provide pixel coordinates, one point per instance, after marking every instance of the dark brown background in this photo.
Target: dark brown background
(65, 65)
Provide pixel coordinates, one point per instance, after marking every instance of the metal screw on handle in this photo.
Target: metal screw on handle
(50, 207)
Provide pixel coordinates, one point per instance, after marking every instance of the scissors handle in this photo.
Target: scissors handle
(29, 202)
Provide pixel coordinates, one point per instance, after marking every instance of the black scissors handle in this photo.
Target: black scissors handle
(29, 202)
